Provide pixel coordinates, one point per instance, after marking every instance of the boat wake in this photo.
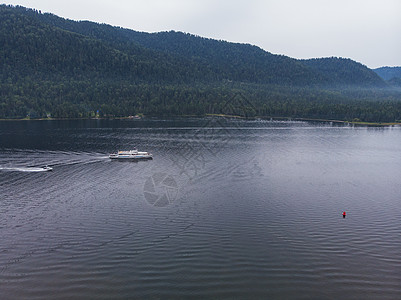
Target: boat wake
(23, 169)
(34, 162)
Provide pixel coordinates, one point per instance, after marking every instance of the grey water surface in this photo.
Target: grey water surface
(227, 209)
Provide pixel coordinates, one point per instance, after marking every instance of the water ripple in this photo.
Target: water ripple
(259, 217)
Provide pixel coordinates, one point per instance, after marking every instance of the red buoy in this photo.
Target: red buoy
(344, 214)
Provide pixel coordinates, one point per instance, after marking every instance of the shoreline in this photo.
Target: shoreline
(380, 124)
(358, 123)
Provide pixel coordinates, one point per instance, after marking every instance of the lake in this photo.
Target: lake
(227, 209)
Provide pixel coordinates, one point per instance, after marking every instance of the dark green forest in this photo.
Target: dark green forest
(53, 67)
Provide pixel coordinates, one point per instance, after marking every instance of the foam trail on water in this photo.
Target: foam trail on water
(23, 169)
(29, 161)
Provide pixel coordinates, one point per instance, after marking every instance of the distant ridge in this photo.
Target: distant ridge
(388, 73)
(56, 67)
(215, 60)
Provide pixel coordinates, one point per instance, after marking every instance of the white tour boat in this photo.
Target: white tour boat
(131, 154)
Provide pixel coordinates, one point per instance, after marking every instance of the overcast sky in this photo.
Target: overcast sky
(368, 31)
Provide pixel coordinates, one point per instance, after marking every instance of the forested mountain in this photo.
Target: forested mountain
(31, 47)
(395, 81)
(343, 71)
(63, 68)
(232, 61)
(388, 73)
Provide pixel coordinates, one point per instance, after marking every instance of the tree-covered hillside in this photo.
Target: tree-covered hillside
(344, 72)
(232, 61)
(63, 68)
(388, 73)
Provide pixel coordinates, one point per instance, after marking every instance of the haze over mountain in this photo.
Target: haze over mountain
(66, 68)
(388, 73)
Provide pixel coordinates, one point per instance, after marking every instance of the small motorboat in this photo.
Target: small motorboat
(47, 168)
(131, 154)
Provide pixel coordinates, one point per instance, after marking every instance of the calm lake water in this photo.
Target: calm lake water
(226, 210)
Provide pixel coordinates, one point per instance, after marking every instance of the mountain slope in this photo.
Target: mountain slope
(68, 69)
(243, 62)
(343, 71)
(388, 73)
(213, 60)
(31, 47)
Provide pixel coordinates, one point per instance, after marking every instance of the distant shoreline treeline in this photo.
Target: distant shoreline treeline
(120, 99)
(257, 118)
